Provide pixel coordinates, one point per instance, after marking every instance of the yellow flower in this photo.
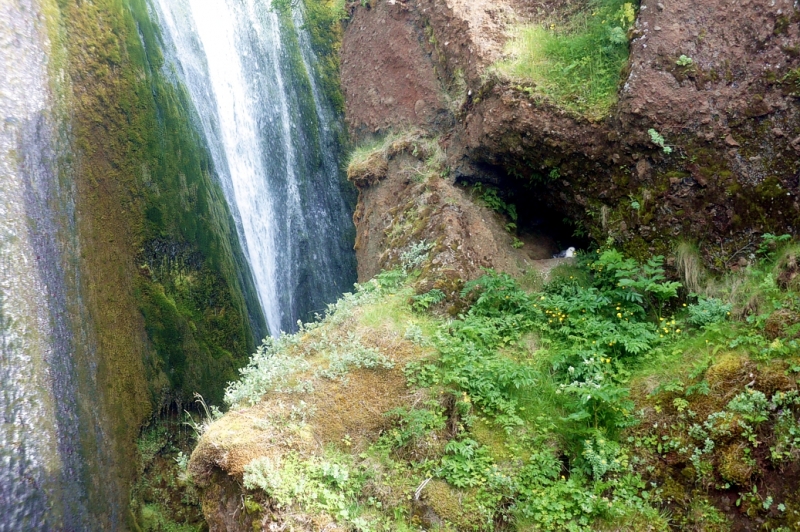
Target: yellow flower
(619, 315)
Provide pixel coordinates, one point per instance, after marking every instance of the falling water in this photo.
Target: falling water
(48, 417)
(273, 138)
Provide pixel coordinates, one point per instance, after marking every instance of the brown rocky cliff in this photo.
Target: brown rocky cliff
(731, 116)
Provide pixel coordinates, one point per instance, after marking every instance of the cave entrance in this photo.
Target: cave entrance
(544, 223)
(544, 229)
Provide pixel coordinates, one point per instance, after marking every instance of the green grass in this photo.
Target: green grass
(578, 65)
(566, 407)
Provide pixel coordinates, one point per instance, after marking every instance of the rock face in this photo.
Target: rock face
(730, 116)
(402, 203)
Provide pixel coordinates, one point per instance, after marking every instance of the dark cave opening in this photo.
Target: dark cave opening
(545, 229)
(543, 223)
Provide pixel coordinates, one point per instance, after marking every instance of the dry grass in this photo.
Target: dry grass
(346, 413)
(690, 267)
(368, 170)
(369, 163)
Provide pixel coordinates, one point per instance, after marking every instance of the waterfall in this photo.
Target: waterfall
(49, 413)
(274, 141)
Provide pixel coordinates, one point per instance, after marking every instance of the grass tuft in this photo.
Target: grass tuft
(578, 65)
(690, 267)
(369, 162)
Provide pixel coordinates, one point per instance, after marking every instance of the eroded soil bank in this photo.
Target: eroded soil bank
(730, 116)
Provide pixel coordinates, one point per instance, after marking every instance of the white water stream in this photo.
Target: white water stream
(280, 179)
(42, 472)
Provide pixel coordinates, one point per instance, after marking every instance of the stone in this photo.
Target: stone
(643, 169)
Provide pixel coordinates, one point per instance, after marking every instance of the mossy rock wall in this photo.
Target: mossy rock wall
(701, 146)
(168, 290)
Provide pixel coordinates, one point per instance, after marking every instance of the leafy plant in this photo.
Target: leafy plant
(684, 61)
(708, 310)
(769, 244)
(751, 405)
(348, 354)
(491, 198)
(269, 369)
(415, 255)
(326, 485)
(657, 139)
(413, 424)
(640, 284)
(466, 464)
(424, 301)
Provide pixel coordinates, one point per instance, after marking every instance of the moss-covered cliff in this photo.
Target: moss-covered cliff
(168, 291)
(515, 88)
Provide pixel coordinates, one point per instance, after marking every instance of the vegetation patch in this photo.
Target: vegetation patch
(164, 498)
(368, 163)
(605, 399)
(576, 64)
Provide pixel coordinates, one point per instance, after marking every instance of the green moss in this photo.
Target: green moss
(638, 248)
(791, 82)
(734, 466)
(165, 328)
(448, 504)
(324, 23)
(781, 25)
(702, 515)
(770, 188)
